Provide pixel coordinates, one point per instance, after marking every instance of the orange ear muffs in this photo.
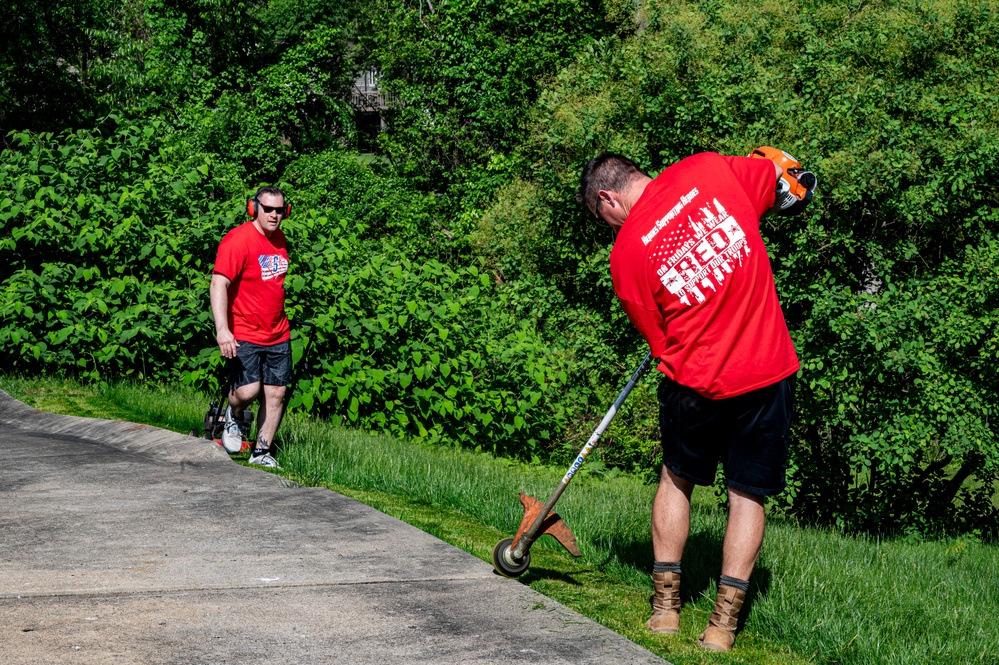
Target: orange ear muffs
(251, 209)
(795, 187)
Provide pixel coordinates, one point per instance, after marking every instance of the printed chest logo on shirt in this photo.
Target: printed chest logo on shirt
(272, 265)
(697, 254)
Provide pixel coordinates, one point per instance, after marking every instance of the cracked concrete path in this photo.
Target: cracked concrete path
(123, 543)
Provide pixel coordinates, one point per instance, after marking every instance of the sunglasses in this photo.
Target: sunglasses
(269, 209)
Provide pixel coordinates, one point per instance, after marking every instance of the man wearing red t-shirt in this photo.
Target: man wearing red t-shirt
(692, 273)
(252, 330)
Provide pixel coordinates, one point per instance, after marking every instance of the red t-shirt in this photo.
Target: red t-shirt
(693, 275)
(255, 266)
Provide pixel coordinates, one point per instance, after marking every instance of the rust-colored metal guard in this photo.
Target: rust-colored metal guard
(551, 525)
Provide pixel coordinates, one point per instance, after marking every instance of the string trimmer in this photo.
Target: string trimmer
(512, 556)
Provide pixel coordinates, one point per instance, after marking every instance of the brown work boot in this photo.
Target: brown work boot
(665, 604)
(720, 633)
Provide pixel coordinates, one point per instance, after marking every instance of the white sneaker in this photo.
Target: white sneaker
(264, 459)
(232, 435)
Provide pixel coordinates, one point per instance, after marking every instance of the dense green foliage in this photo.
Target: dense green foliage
(257, 82)
(466, 73)
(106, 247)
(54, 57)
(458, 292)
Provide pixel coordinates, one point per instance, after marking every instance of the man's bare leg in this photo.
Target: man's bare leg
(743, 539)
(271, 412)
(670, 525)
(743, 534)
(242, 397)
(671, 516)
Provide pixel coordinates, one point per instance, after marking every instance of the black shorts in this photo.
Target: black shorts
(747, 433)
(255, 363)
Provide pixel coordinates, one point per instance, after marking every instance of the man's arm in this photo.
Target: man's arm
(220, 312)
(759, 181)
(637, 300)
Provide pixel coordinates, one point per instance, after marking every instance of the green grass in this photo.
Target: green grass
(817, 596)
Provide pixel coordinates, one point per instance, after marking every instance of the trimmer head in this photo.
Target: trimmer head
(505, 564)
(552, 525)
(504, 560)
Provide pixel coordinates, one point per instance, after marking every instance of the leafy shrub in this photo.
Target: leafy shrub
(264, 120)
(909, 372)
(425, 350)
(58, 59)
(106, 248)
(338, 185)
(464, 73)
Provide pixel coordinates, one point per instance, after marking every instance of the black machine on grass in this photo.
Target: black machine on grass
(215, 416)
(512, 556)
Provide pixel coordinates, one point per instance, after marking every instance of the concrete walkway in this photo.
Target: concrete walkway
(122, 543)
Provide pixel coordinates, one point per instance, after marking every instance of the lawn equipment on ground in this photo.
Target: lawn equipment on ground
(214, 421)
(215, 416)
(512, 556)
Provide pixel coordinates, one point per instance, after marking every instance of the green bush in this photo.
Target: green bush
(464, 73)
(107, 243)
(381, 207)
(425, 350)
(63, 61)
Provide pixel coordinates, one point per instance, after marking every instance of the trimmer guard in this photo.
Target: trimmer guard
(553, 525)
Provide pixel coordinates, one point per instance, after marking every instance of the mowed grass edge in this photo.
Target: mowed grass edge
(817, 596)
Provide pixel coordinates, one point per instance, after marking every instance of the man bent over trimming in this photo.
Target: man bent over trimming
(690, 269)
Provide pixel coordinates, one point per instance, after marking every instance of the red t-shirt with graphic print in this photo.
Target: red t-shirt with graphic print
(255, 266)
(693, 275)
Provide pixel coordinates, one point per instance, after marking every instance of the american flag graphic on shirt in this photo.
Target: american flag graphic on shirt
(698, 252)
(272, 265)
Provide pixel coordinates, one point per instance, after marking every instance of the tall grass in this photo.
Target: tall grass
(816, 595)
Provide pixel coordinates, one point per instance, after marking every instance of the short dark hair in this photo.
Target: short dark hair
(608, 171)
(274, 191)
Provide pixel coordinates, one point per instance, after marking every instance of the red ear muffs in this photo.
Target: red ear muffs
(251, 209)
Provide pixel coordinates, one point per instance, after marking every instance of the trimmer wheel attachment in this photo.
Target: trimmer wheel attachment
(505, 564)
